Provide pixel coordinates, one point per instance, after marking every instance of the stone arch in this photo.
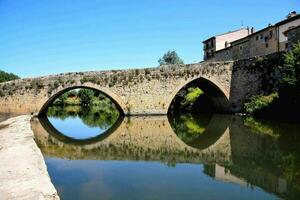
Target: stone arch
(114, 98)
(213, 84)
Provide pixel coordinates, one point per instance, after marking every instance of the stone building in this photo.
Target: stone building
(219, 42)
(292, 20)
(261, 43)
(266, 41)
(293, 36)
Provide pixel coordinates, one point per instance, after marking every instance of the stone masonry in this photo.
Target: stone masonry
(136, 91)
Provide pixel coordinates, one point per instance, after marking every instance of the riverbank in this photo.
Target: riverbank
(23, 173)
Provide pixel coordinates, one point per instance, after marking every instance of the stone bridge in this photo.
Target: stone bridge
(138, 91)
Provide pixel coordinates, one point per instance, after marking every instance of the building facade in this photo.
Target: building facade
(293, 36)
(219, 42)
(269, 40)
(291, 21)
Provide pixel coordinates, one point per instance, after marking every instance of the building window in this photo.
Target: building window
(286, 45)
(207, 55)
(241, 47)
(212, 53)
(212, 43)
(257, 37)
(271, 33)
(267, 45)
(261, 36)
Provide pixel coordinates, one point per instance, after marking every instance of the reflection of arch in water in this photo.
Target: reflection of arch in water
(112, 96)
(136, 138)
(214, 131)
(68, 140)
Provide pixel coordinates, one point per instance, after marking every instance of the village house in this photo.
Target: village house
(219, 42)
(293, 36)
(271, 39)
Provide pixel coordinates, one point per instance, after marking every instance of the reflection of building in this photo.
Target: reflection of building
(259, 178)
(222, 174)
(269, 40)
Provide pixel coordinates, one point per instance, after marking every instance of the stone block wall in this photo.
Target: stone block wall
(138, 91)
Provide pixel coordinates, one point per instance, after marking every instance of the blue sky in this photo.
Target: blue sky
(40, 37)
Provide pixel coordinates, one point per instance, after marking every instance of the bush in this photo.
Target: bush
(257, 103)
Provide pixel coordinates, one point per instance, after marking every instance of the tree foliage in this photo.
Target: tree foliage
(4, 76)
(258, 103)
(61, 99)
(192, 96)
(92, 116)
(170, 58)
(86, 96)
(291, 76)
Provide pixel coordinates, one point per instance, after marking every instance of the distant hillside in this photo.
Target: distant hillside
(4, 76)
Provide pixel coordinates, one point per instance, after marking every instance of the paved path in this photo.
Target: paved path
(23, 173)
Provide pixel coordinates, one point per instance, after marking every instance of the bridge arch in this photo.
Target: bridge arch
(113, 97)
(214, 89)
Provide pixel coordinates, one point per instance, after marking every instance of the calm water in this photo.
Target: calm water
(91, 155)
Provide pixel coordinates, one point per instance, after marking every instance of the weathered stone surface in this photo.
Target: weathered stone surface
(23, 173)
(138, 91)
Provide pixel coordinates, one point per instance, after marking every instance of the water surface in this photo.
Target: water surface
(174, 157)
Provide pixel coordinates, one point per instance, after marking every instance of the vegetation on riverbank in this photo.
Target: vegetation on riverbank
(93, 107)
(4, 76)
(283, 103)
(259, 102)
(83, 97)
(93, 116)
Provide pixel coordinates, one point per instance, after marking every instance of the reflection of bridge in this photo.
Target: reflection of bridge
(139, 91)
(141, 138)
(237, 155)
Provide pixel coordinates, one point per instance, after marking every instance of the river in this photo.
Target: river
(92, 155)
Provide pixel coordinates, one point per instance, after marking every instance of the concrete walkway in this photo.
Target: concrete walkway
(23, 173)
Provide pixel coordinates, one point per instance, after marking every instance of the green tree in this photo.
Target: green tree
(72, 93)
(4, 76)
(86, 96)
(61, 99)
(170, 58)
(291, 75)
